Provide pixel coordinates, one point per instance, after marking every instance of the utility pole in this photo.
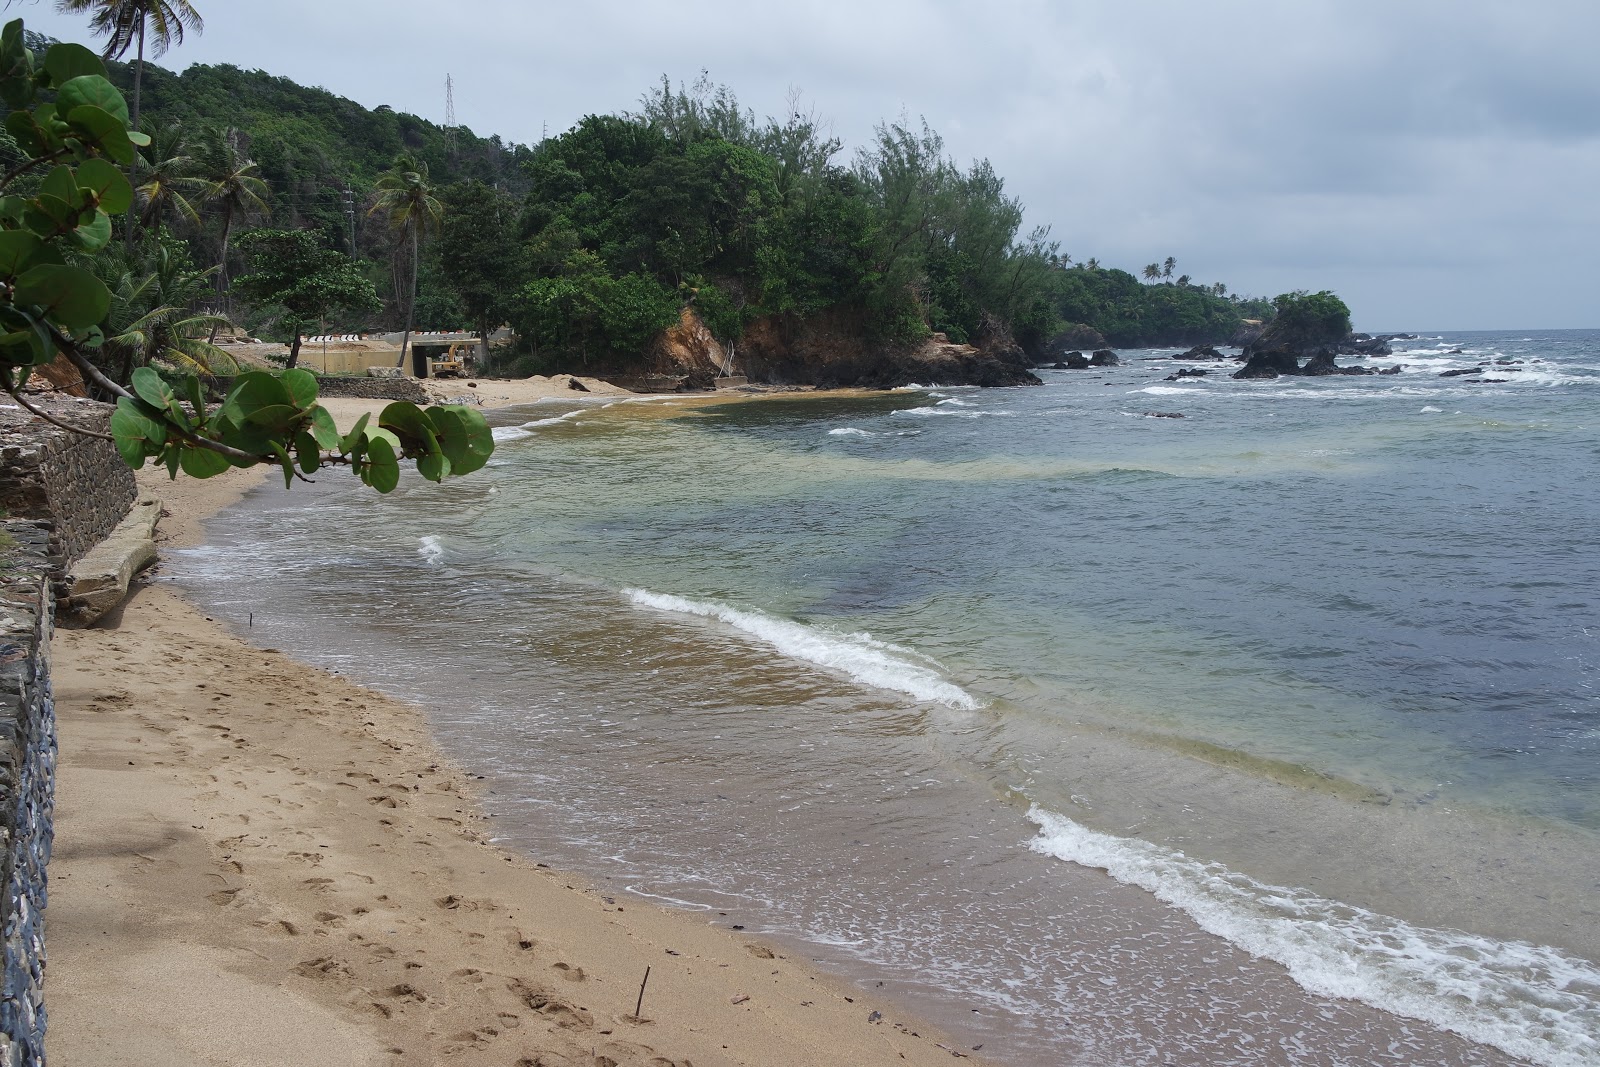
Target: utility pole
(350, 217)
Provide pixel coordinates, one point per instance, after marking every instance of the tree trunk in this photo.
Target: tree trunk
(222, 271)
(483, 347)
(131, 222)
(411, 305)
(294, 350)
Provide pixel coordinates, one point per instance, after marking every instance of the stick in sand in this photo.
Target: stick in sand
(640, 1003)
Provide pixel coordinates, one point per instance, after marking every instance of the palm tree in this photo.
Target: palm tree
(124, 24)
(1166, 268)
(152, 314)
(227, 177)
(1152, 271)
(168, 174)
(406, 198)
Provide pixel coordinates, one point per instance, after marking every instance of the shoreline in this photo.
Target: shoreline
(257, 860)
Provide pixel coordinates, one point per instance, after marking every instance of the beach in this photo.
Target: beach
(259, 862)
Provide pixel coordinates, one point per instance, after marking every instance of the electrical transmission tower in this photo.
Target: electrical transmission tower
(450, 113)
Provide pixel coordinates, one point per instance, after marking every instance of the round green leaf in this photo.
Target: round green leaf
(252, 390)
(382, 468)
(302, 387)
(70, 296)
(97, 128)
(91, 90)
(323, 429)
(464, 436)
(149, 387)
(412, 428)
(16, 248)
(93, 235)
(108, 184)
(201, 462)
(435, 466)
(64, 62)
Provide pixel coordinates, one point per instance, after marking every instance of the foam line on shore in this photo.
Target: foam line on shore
(860, 656)
(1528, 1000)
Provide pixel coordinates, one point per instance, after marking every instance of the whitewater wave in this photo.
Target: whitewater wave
(936, 410)
(860, 656)
(1529, 1000)
(504, 434)
(854, 431)
(430, 548)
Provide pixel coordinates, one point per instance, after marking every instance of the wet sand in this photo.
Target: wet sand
(258, 862)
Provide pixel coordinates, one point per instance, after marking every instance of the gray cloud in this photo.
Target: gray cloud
(1435, 162)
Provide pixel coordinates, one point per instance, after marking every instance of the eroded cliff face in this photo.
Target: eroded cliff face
(687, 348)
(831, 350)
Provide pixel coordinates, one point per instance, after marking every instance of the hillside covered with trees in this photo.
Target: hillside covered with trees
(593, 242)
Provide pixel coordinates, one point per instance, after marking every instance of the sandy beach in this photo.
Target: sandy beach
(257, 862)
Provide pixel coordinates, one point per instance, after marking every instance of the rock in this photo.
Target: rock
(1391, 370)
(1459, 373)
(1269, 364)
(1165, 415)
(1188, 372)
(99, 581)
(1201, 352)
(1322, 365)
(1104, 358)
(1076, 336)
(1360, 344)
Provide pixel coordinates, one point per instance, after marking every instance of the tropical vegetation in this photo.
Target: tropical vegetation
(68, 293)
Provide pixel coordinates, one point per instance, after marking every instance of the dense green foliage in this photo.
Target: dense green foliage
(1132, 314)
(592, 242)
(69, 123)
(1307, 319)
(292, 271)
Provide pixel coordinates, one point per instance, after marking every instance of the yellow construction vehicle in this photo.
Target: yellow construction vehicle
(453, 364)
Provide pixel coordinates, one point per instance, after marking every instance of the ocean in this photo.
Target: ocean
(1265, 734)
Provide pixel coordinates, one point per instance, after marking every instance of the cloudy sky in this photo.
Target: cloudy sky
(1435, 162)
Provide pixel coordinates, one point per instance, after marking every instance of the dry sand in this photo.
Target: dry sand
(260, 863)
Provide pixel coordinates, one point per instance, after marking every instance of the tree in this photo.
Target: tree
(405, 196)
(1152, 271)
(293, 270)
(478, 253)
(228, 177)
(1305, 319)
(167, 179)
(152, 317)
(124, 24)
(50, 306)
(1168, 266)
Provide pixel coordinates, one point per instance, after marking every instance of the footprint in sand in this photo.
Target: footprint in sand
(569, 972)
(223, 897)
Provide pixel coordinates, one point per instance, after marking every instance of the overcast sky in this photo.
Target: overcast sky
(1435, 162)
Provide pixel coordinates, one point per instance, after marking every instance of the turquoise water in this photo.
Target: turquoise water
(1202, 737)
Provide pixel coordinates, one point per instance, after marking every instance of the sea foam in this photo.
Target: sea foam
(860, 656)
(1529, 1000)
(430, 548)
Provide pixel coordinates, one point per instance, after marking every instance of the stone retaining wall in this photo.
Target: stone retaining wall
(27, 783)
(77, 485)
(373, 388)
